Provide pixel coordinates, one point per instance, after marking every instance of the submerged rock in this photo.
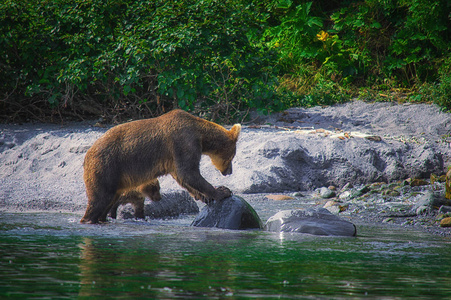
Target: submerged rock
(171, 205)
(231, 213)
(312, 221)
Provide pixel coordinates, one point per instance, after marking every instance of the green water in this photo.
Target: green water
(51, 256)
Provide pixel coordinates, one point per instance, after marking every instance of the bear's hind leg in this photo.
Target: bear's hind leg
(139, 209)
(151, 190)
(99, 204)
(133, 197)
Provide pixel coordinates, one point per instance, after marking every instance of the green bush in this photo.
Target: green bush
(361, 44)
(442, 91)
(135, 58)
(125, 59)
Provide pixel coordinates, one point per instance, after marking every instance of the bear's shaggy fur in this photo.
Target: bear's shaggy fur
(130, 157)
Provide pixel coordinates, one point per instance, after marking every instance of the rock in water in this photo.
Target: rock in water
(231, 213)
(313, 221)
(172, 205)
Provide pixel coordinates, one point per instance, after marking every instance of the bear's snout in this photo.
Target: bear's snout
(228, 171)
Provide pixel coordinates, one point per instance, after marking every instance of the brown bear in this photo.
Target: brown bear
(131, 156)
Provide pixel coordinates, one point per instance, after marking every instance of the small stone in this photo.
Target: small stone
(330, 203)
(360, 192)
(279, 197)
(387, 220)
(421, 210)
(334, 209)
(346, 187)
(326, 193)
(418, 182)
(444, 209)
(446, 222)
(394, 193)
(297, 194)
(374, 138)
(345, 195)
(332, 188)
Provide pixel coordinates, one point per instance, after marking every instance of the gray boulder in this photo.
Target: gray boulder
(171, 205)
(231, 213)
(312, 221)
(429, 201)
(326, 193)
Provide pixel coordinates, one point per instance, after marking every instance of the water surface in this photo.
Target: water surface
(49, 255)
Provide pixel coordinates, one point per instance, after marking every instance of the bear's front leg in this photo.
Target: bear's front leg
(187, 174)
(223, 192)
(201, 189)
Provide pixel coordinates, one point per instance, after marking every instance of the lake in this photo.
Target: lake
(52, 256)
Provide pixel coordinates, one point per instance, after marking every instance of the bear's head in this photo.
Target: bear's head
(223, 156)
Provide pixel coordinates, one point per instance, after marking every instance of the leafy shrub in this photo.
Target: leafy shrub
(131, 59)
(361, 44)
(135, 58)
(442, 91)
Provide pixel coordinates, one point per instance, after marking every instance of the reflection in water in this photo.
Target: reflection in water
(162, 261)
(219, 264)
(162, 268)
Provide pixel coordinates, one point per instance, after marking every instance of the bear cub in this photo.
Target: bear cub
(126, 161)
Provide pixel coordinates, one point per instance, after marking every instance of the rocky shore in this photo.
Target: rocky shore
(412, 202)
(368, 162)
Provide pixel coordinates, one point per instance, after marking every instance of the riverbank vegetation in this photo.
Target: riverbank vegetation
(123, 59)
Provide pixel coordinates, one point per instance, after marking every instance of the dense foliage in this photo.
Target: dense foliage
(124, 59)
(367, 46)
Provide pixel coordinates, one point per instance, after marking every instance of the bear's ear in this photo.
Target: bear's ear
(235, 131)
